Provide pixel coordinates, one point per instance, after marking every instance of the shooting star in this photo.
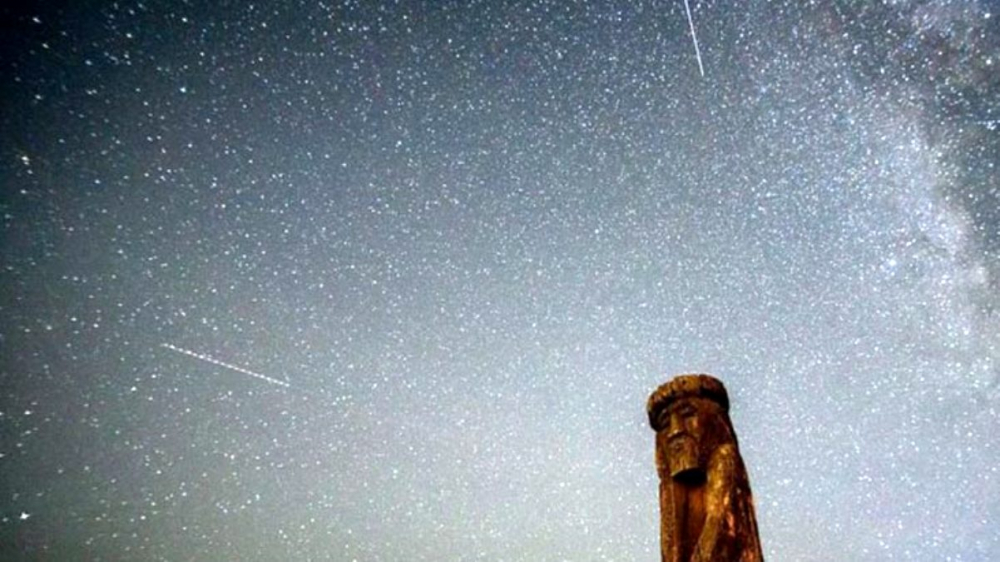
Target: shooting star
(694, 38)
(214, 361)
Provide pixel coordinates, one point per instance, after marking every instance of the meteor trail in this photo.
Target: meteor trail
(694, 37)
(214, 361)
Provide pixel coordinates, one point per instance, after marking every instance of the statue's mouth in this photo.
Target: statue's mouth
(680, 435)
(679, 441)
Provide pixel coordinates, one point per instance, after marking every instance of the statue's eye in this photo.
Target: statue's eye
(686, 411)
(664, 418)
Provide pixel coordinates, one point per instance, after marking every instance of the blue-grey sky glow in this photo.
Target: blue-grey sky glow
(368, 281)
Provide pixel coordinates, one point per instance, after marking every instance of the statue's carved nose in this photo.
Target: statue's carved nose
(676, 427)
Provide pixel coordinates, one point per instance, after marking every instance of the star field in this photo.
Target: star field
(393, 280)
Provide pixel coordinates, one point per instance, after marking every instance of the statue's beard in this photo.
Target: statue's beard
(684, 459)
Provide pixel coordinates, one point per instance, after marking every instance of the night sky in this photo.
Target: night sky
(354, 280)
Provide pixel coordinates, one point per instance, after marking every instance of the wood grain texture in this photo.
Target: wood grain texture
(706, 507)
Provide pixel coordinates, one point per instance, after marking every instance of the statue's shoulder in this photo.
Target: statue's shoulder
(725, 452)
(723, 461)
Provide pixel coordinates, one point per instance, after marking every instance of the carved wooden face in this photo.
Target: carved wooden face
(688, 436)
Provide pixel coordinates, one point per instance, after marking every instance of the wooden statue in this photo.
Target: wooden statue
(706, 509)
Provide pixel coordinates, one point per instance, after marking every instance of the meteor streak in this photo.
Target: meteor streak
(697, 51)
(231, 367)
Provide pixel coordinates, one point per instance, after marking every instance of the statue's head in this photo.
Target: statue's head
(690, 415)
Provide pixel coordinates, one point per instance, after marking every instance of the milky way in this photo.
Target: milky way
(475, 236)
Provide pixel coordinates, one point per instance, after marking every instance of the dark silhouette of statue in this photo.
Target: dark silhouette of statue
(706, 509)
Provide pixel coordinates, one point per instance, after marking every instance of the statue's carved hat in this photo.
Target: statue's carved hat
(686, 386)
